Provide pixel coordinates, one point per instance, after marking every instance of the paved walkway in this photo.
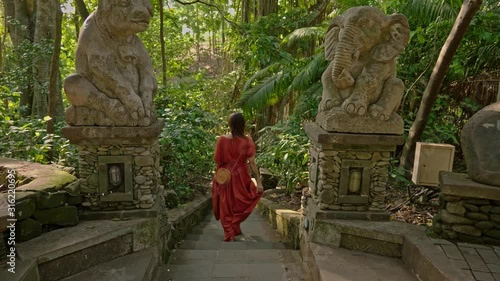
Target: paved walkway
(479, 262)
(203, 256)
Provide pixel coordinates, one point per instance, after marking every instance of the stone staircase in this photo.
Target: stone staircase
(112, 246)
(257, 256)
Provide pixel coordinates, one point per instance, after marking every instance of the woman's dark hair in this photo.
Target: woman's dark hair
(237, 125)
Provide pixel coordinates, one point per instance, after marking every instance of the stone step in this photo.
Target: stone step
(139, 266)
(212, 244)
(251, 265)
(24, 271)
(68, 251)
(328, 263)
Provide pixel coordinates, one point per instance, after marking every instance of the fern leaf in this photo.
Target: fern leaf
(261, 73)
(304, 33)
(309, 73)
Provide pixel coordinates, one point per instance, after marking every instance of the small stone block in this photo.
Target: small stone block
(483, 276)
(50, 200)
(354, 215)
(66, 215)
(28, 229)
(452, 252)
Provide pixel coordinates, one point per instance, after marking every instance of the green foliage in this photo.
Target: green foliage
(284, 151)
(27, 138)
(188, 140)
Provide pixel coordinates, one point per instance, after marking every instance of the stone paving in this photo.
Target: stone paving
(260, 256)
(479, 262)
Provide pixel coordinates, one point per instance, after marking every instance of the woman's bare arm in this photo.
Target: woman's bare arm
(255, 170)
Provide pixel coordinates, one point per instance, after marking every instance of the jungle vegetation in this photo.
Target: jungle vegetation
(262, 57)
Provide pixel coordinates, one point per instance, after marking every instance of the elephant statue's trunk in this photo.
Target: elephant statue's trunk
(343, 58)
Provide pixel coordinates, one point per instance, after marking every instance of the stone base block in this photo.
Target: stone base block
(128, 155)
(337, 120)
(470, 211)
(354, 215)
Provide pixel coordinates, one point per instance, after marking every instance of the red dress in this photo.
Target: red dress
(233, 202)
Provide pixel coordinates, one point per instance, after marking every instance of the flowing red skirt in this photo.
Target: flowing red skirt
(234, 202)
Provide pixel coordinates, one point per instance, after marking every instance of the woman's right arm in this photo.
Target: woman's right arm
(255, 170)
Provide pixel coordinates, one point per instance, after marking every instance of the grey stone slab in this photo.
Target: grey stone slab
(204, 237)
(343, 264)
(188, 271)
(188, 255)
(264, 271)
(84, 259)
(230, 270)
(462, 264)
(488, 256)
(233, 246)
(232, 256)
(263, 256)
(494, 268)
(496, 276)
(67, 240)
(131, 267)
(468, 273)
(475, 246)
(483, 276)
(25, 271)
(473, 259)
(462, 186)
(452, 252)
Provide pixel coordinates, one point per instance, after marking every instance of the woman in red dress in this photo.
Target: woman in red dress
(234, 201)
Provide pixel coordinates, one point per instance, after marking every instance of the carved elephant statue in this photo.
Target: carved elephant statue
(362, 45)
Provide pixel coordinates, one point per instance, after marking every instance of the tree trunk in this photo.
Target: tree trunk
(82, 9)
(467, 12)
(54, 75)
(19, 15)
(162, 42)
(245, 13)
(45, 31)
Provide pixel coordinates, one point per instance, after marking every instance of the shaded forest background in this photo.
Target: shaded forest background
(262, 57)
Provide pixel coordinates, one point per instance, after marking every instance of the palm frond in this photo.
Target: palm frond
(268, 92)
(304, 33)
(309, 73)
(430, 10)
(261, 73)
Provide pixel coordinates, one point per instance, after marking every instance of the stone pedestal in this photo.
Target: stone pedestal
(119, 166)
(348, 172)
(470, 211)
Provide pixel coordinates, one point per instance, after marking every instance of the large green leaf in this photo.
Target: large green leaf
(304, 33)
(310, 73)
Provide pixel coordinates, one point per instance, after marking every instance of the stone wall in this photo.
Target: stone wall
(45, 199)
(145, 169)
(469, 219)
(470, 211)
(325, 187)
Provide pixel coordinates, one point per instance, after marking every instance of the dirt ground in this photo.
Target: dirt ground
(420, 210)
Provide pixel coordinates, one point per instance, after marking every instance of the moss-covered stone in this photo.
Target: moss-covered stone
(66, 215)
(28, 229)
(74, 200)
(51, 200)
(25, 208)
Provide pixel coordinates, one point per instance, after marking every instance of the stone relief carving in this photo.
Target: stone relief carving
(362, 45)
(114, 83)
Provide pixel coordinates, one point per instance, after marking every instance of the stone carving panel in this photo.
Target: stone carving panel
(114, 83)
(362, 45)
